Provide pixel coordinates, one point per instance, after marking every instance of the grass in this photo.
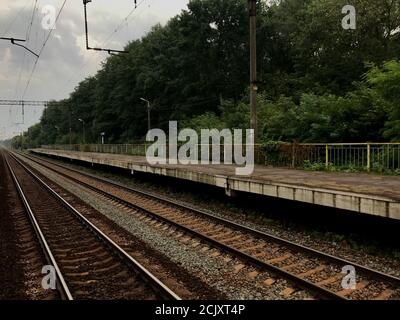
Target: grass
(376, 168)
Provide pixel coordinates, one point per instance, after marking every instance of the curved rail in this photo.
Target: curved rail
(255, 232)
(302, 283)
(146, 275)
(61, 284)
(374, 274)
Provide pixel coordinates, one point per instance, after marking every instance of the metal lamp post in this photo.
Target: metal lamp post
(148, 113)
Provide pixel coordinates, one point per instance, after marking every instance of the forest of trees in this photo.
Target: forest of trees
(317, 81)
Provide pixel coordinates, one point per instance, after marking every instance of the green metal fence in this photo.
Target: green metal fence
(378, 157)
(359, 156)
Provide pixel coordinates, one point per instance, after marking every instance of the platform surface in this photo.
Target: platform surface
(365, 193)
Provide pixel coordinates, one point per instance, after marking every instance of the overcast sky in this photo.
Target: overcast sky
(64, 61)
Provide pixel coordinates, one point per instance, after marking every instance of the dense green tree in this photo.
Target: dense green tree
(386, 83)
(317, 81)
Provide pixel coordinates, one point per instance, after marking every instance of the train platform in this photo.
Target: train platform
(360, 192)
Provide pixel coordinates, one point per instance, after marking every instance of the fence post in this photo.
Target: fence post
(293, 156)
(368, 157)
(326, 156)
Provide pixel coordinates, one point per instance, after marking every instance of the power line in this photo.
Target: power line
(41, 50)
(110, 51)
(33, 103)
(15, 41)
(105, 42)
(126, 19)
(28, 33)
(4, 33)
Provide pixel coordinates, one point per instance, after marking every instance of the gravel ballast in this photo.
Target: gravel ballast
(342, 249)
(212, 270)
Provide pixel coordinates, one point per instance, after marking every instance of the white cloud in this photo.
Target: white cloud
(65, 60)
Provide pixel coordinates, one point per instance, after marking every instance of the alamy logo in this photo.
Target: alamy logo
(186, 148)
(349, 280)
(50, 278)
(349, 21)
(49, 19)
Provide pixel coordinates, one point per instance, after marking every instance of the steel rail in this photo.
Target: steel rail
(145, 274)
(62, 286)
(302, 283)
(255, 232)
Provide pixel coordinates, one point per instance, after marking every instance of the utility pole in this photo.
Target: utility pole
(253, 66)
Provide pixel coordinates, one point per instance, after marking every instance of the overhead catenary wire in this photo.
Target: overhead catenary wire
(8, 27)
(42, 49)
(28, 32)
(33, 103)
(16, 41)
(125, 20)
(22, 66)
(25, 64)
(112, 34)
(110, 51)
(28, 35)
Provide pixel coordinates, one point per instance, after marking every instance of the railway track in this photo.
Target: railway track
(21, 257)
(305, 268)
(87, 263)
